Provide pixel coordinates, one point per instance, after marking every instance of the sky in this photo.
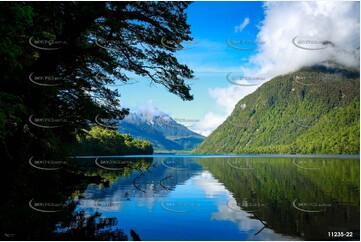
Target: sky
(237, 46)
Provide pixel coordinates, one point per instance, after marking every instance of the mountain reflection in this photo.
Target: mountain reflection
(304, 200)
(266, 198)
(192, 198)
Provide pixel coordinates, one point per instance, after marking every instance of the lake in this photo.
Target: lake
(190, 197)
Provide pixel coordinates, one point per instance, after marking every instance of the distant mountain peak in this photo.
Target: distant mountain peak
(152, 118)
(159, 129)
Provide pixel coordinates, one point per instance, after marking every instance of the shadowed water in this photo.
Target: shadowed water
(206, 198)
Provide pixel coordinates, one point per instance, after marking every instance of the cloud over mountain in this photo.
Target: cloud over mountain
(295, 35)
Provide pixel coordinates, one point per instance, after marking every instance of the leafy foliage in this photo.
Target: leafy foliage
(102, 141)
(60, 58)
(315, 110)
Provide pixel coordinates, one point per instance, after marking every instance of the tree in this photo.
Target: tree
(102, 141)
(59, 59)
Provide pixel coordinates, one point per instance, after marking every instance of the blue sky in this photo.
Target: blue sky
(208, 55)
(268, 28)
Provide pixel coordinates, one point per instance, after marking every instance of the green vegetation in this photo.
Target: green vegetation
(267, 187)
(317, 115)
(102, 141)
(60, 58)
(58, 62)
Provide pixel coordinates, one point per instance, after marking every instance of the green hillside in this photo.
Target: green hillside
(315, 110)
(276, 182)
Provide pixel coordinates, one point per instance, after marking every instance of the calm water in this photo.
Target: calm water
(209, 198)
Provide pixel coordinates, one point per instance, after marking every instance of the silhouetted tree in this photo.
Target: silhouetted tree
(59, 58)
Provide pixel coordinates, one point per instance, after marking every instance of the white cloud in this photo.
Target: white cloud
(147, 108)
(249, 225)
(209, 184)
(208, 123)
(227, 98)
(242, 25)
(337, 22)
(146, 111)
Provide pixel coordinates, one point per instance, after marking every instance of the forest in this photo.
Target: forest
(52, 53)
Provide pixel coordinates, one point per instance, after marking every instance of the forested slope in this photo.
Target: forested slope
(314, 110)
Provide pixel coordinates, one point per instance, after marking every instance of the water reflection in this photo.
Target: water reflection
(192, 198)
(307, 200)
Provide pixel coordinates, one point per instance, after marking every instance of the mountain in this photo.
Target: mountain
(315, 110)
(161, 130)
